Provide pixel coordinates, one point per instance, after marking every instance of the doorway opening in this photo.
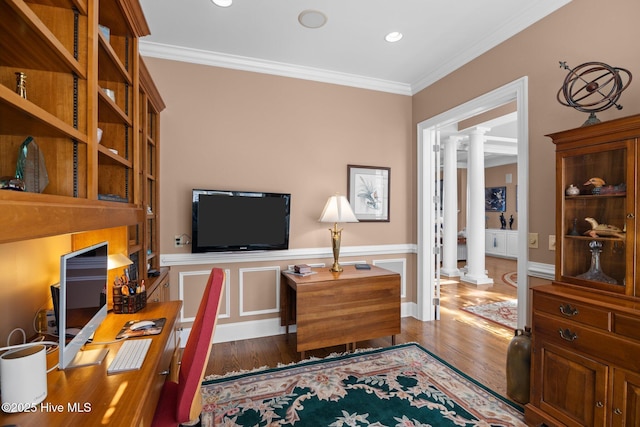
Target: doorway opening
(428, 260)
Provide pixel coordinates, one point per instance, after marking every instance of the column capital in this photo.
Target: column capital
(477, 130)
(454, 138)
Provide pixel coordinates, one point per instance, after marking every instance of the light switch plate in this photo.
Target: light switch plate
(533, 240)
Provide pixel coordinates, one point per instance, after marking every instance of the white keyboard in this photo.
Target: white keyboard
(130, 356)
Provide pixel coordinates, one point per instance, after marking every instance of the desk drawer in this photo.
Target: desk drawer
(572, 310)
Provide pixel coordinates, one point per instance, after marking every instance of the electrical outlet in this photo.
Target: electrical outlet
(552, 242)
(178, 240)
(533, 240)
(52, 327)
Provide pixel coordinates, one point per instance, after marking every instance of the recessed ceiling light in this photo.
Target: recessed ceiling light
(312, 19)
(393, 36)
(222, 3)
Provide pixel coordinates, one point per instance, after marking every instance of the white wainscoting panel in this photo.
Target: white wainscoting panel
(245, 284)
(397, 265)
(191, 290)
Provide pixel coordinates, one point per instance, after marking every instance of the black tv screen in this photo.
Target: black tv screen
(239, 221)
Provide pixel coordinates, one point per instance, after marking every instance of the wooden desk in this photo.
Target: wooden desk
(87, 396)
(341, 308)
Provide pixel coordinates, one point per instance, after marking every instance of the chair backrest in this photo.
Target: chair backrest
(196, 352)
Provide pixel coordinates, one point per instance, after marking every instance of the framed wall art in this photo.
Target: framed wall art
(368, 190)
(495, 199)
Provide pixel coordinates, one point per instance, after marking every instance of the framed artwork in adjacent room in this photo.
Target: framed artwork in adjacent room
(495, 199)
(368, 190)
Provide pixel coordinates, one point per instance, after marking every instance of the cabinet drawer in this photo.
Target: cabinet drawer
(571, 310)
(627, 326)
(577, 337)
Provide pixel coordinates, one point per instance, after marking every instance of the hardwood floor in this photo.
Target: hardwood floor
(473, 345)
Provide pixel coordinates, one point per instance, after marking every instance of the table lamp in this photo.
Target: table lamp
(337, 210)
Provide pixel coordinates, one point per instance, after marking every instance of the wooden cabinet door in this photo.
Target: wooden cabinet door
(626, 399)
(570, 387)
(158, 290)
(512, 244)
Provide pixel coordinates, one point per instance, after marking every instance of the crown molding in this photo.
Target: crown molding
(538, 9)
(197, 56)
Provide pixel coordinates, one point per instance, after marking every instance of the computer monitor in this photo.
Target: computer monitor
(80, 304)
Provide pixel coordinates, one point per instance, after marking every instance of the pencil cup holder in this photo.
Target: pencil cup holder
(127, 300)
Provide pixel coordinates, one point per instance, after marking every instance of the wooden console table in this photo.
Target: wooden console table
(341, 308)
(87, 396)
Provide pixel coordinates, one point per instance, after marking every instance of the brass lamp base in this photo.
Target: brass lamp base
(336, 267)
(335, 246)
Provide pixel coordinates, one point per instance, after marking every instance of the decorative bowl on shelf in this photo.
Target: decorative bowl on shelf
(572, 190)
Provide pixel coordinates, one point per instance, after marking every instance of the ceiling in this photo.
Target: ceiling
(266, 36)
(439, 36)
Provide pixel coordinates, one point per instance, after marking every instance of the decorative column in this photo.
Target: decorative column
(450, 209)
(476, 272)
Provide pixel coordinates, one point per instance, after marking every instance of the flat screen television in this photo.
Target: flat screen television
(80, 304)
(227, 221)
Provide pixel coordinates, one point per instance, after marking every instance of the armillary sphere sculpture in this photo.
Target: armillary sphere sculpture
(593, 87)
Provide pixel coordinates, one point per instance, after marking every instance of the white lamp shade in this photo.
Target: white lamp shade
(337, 209)
(117, 261)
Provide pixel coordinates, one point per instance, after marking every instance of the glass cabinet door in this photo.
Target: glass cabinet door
(597, 209)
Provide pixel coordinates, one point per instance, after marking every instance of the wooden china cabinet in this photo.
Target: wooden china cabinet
(586, 324)
(93, 111)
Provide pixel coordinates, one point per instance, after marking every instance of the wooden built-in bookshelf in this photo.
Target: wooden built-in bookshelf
(83, 73)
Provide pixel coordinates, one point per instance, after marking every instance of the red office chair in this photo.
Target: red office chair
(181, 402)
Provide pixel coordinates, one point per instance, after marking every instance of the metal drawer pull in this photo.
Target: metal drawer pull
(166, 372)
(599, 404)
(617, 411)
(568, 335)
(568, 311)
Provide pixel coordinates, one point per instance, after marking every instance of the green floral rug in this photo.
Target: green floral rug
(403, 385)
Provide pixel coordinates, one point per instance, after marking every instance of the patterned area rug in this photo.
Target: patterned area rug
(400, 386)
(511, 279)
(504, 313)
